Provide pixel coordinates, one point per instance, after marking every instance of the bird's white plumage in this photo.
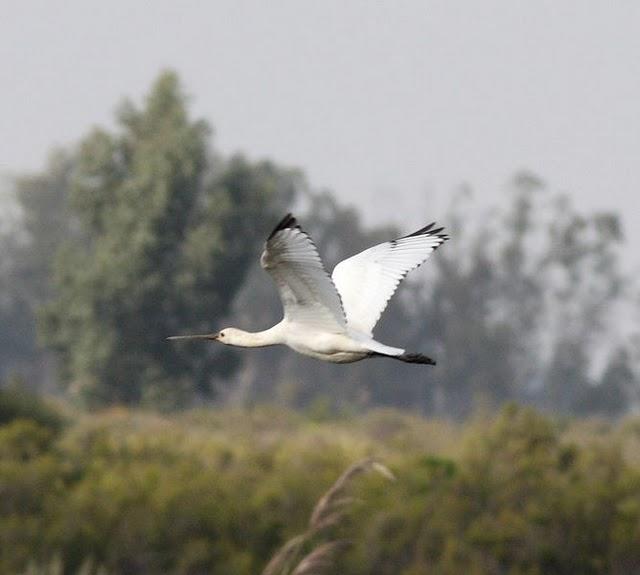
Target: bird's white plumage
(367, 280)
(332, 319)
(308, 295)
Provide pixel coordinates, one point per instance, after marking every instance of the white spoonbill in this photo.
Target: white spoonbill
(332, 317)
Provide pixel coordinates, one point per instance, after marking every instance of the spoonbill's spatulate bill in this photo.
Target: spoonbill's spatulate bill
(332, 317)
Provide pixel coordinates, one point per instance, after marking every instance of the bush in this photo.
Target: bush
(18, 403)
(221, 491)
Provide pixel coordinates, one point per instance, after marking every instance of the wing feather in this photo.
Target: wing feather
(366, 281)
(307, 292)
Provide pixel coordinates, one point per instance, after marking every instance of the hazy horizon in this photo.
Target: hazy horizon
(401, 102)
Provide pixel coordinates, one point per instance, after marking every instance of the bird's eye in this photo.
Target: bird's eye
(221, 334)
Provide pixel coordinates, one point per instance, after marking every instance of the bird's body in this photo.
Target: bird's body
(333, 347)
(331, 318)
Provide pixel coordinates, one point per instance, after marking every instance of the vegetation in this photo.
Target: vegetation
(221, 491)
(145, 230)
(17, 403)
(329, 511)
(158, 228)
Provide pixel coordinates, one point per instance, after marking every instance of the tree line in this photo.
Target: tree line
(146, 230)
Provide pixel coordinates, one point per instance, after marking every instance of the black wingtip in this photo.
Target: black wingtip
(288, 222)
(421, 231)
(428, 231)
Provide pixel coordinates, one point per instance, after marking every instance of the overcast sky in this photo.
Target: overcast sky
(390, 104)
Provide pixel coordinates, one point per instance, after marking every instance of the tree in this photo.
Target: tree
(16, 336)
(28, 243)
(613, 394)
(166, 231)
(523, 299)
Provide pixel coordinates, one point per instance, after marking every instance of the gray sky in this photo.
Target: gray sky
(390, 104)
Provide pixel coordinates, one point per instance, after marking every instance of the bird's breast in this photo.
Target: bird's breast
(336, 348)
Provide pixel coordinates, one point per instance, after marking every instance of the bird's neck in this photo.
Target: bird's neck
(258, 339)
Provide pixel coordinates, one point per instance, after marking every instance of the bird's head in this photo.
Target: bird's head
(230, 336)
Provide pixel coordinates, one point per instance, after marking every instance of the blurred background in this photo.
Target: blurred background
(148, 149)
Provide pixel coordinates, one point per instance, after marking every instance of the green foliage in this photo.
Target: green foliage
(221, 492)
(518, 500)
(16, 402)
(165, 235)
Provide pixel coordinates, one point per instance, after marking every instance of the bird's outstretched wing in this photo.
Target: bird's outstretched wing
(367, 280)
(306, 290)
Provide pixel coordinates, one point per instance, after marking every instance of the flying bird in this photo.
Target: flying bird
(332, 317)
